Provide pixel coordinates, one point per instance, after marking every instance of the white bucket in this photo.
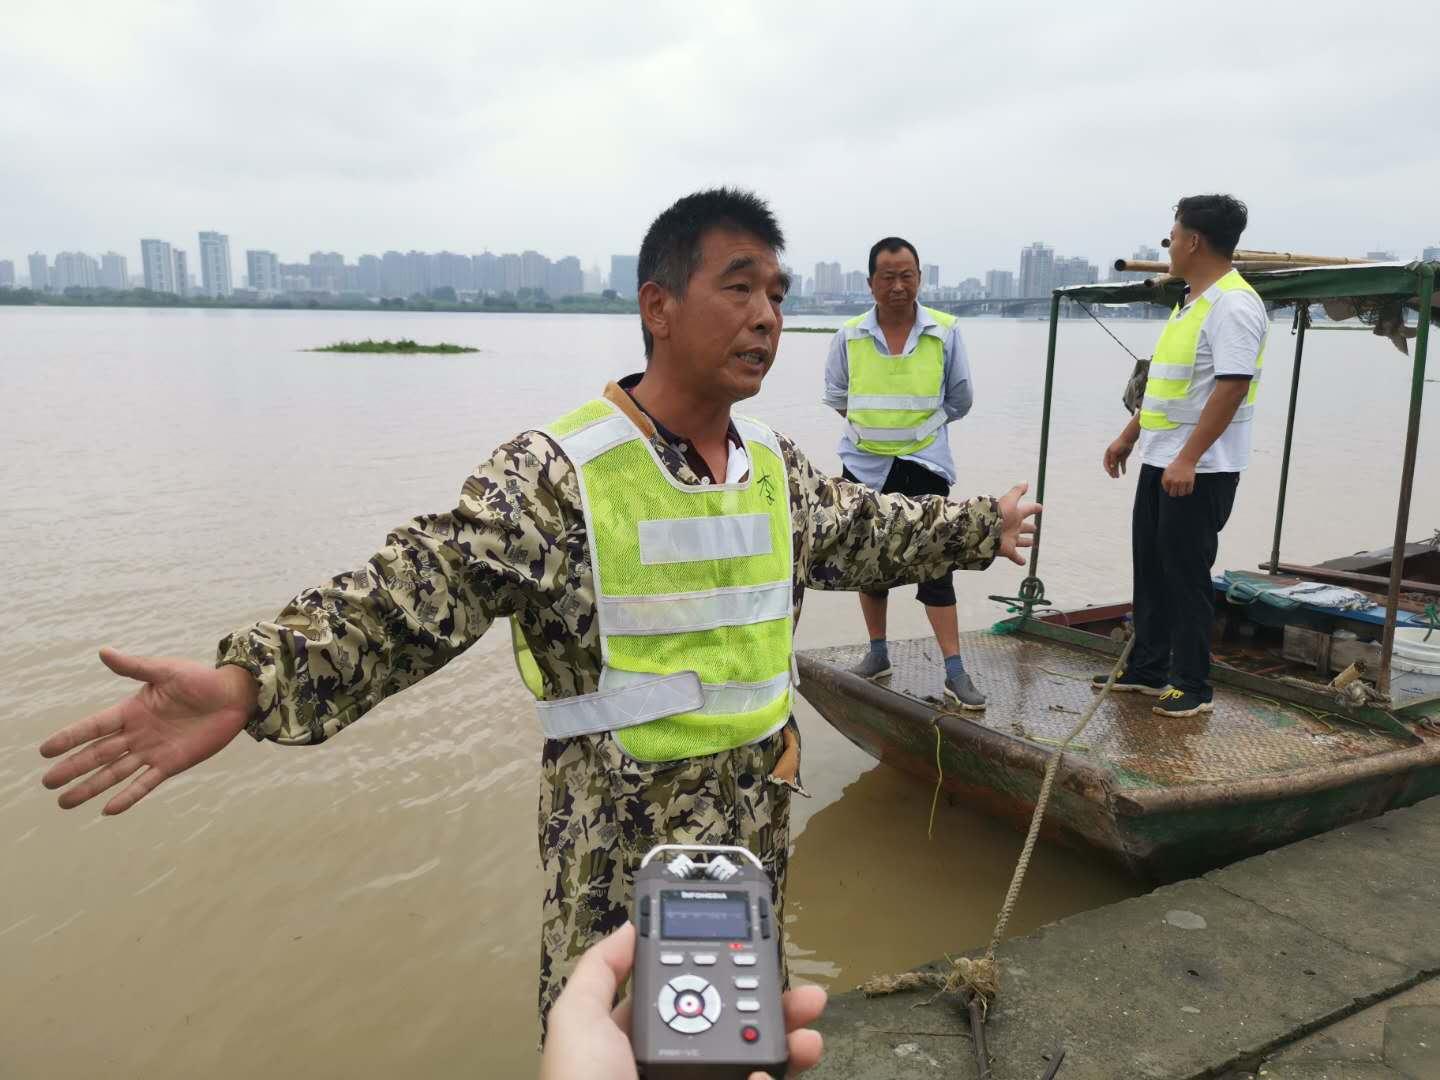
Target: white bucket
(1413, 653)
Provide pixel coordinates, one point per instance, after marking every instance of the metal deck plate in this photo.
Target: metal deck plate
(1038, 689)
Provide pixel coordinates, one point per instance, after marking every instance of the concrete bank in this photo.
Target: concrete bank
(1288, 965)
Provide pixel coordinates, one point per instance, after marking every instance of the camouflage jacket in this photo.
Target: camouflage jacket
(516, 545)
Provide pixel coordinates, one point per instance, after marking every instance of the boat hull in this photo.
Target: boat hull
(1155, 831)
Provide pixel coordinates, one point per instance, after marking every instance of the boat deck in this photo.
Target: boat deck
(1038, 689)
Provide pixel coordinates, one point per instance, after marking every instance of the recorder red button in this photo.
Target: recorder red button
(750, 1033)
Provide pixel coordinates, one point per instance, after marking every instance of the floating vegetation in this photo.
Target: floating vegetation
(404, 345)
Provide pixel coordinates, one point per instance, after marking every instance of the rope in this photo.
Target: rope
(939, 779)
(1105, 328)
(981, 978)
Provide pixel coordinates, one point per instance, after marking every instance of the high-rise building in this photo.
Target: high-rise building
(74, 270)
(797, 279)
(593, 279)
(215, 264)
(448, 269)
(1075, 270)
(262, 270)
(1000, 284)
(295, 277)
(488, 277)
(39, 272)
(158, 263)
(1431, 254)
(367, 273)
(624, 269)
(114, 271)
(829, 281)
(392, 275)
(417, 270)
(565, 278)
(1037, 270)
(534, 270)
(182, 274)
(327, 271)
(7, 274)
(932, 276)
(855, 283)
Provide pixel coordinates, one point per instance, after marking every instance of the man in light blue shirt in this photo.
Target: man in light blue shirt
(898, 327)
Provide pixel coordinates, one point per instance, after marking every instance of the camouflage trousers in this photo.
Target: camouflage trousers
(601, 811)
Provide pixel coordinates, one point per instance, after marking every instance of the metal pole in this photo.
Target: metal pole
(1407, 472)
(1302, 320)
(1045, 431)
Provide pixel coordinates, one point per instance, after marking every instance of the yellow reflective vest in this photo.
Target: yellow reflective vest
(693, 595)
(1173, 395)
(895, 404)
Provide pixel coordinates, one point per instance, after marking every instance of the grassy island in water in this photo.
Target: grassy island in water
(404, 345)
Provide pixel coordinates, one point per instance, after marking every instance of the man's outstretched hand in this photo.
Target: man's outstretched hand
(588, 1040)
(1017, 530)
(184, 712)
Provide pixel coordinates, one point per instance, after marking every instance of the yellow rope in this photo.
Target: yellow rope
(939, 779)
(1040, 803)
(982, 977)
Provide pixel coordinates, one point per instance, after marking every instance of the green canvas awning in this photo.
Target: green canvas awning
(1276, 286)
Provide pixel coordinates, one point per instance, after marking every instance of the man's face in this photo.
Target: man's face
(1184, 244)
(896, 281)
(725, 332)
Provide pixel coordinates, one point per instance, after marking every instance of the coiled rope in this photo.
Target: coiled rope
(980, 978)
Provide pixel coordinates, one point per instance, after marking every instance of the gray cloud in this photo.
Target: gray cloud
(566, 127)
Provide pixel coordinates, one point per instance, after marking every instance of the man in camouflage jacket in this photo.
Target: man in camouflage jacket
(516, 546)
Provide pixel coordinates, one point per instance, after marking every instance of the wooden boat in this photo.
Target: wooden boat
(1283, 756)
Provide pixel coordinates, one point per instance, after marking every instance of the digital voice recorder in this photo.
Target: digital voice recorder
(707, 987)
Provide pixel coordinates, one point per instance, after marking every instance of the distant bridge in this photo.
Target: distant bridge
(1015, 307)
(1038, 305)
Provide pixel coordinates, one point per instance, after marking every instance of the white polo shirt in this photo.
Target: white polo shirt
(1231, 341)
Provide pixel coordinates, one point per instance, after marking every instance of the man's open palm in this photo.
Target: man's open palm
(1017, 527)
(184, 712)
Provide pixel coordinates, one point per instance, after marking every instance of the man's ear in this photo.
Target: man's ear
(656, 304)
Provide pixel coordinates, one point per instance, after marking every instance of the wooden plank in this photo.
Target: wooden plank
(1349, 577)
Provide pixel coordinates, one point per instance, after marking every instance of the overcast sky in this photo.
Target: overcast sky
(971, 130)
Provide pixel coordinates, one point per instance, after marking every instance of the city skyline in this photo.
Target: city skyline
(164, 268)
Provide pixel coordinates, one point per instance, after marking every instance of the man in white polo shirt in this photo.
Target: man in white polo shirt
(1194, 431)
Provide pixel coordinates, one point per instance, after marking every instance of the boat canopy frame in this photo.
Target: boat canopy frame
(1413, 284)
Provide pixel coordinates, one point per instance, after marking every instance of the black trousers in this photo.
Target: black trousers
(1174, 542)
(911, 478)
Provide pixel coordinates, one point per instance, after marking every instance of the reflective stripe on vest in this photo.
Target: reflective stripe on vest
(895, 403)
(693, 592)
(1173, 395)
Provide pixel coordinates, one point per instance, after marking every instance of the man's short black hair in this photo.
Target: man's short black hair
(670, 253)
(891, 243)
(1219, 218)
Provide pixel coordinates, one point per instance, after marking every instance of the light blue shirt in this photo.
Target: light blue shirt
(872, 469)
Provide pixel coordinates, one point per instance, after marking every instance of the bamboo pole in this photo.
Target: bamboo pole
(1257, 255)
(1144, 266)
(1243, 262)
(1243, 255)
